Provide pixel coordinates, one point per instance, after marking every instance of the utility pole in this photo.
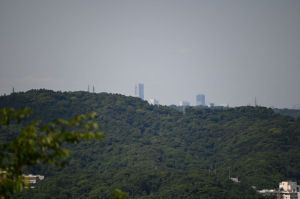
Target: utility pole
(93, 89)
(88, 88)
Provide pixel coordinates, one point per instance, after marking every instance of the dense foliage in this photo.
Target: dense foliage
(295, 113)
(37, 143)
(159, 152)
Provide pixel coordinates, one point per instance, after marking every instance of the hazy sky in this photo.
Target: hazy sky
(231, 51)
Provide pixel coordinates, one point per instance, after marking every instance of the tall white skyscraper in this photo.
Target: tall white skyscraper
(139, 90)
(200, 100)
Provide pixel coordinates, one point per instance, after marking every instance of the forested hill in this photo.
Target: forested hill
(159, 152)
(295, 113)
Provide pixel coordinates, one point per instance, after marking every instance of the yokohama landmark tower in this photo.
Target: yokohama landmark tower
(139, 90)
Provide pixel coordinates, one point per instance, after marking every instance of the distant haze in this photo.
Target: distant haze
(231, 51)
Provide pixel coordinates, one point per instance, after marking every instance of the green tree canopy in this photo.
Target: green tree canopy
(38, 143)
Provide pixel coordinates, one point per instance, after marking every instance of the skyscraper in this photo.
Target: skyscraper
(200, 100)
(139, 90)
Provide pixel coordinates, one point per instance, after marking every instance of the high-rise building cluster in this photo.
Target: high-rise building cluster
(200, 101)
(139, 92)
(200, 98)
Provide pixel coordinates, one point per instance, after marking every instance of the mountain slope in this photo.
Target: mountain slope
(157, 151)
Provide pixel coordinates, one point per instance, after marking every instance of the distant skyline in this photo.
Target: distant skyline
(230, 50)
